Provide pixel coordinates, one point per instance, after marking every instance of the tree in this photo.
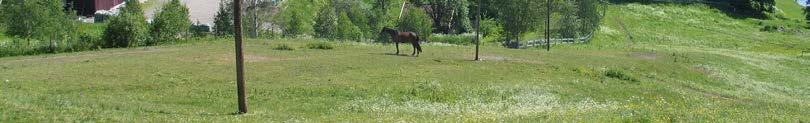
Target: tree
(297, 17)
(223, 21)
(416, 20)
(326, 22)
(381, 14)
(753, 6)
(520, 16)
(128, 29)
(43, 20)
(450, 16)
(588, 15)
(807, 13)
(347, 30)
(171, 24)
(358, 13)
(569, 19)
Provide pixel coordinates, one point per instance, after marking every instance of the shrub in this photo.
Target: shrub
(128, 29)
(416, 20)
(620, 74)
(491, 30)
(320, 45)
(283, 47)
(171, 24)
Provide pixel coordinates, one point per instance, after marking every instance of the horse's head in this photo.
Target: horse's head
(388, 30)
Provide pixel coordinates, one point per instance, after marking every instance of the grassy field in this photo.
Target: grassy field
(687, 63)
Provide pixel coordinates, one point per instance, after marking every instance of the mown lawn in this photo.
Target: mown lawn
(686, 64)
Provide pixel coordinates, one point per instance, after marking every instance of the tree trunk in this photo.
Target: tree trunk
(255, 19)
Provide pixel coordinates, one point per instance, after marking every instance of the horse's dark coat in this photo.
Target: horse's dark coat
(404, 37)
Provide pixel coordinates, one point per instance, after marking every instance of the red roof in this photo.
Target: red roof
(107, 4)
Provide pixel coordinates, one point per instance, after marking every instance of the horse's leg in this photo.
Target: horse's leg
(414, 49)
(397, 43)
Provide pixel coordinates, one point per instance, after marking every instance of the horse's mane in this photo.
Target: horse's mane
(389, 30)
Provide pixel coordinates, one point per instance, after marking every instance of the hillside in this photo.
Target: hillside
(685, 63)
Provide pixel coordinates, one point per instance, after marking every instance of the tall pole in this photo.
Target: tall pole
(548, 25)
(240, 61)
(477, 30)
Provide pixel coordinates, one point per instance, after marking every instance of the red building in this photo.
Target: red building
(89, 7)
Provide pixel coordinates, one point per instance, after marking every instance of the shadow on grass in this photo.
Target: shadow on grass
(392, 54)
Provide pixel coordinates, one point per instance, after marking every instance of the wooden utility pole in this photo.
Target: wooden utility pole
(477, 30)
(548, 25)
(240, 61)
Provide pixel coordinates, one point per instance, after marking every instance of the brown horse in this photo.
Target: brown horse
(404, 37)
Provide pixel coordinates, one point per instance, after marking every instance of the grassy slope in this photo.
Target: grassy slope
(722, 69)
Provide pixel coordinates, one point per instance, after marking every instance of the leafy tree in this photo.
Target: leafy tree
(753, 6)
(172, 23)
(297, 17)
(416, 20)
(326, 23)
(382, 14)
(491, 29)
(128, 29)
(223, 21)
(588, 15)
(568, 21)
(358, 13)
(43, 20)
(295, 26)
(520, 16)
(347, 30)
(450, 16)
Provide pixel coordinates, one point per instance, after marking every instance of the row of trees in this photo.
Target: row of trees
(48, 27)
(362, 19)
(130, 29)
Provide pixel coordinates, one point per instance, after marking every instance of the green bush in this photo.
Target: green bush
(620, 74)
(320, 45)
(128, 29)
(491, 30)
(416, 20)
(171, 24)
(461, 39)
(283, 47)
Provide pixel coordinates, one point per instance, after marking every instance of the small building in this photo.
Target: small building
(89, 7)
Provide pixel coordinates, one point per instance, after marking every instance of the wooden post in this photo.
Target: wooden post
(402, 9)
(548, 25)
(477, 30)
(240, 68)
